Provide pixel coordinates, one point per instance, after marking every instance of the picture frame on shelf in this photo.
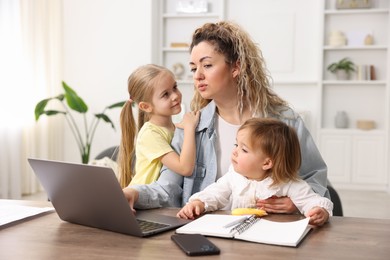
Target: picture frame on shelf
(358, 38)
(353, 4)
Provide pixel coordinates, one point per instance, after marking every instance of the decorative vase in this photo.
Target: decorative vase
(342, 75)
(369, 40)
(341, 119)
(337, 38)
(178, 70)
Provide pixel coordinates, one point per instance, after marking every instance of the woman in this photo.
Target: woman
(232, 86)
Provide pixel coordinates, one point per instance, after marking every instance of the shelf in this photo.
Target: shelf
(357, 11)
(352, 131)
(175, 49)
(177, 27)
(352, 48)
(354, 82)
(190, 16)
(294, 82)
(346, 149)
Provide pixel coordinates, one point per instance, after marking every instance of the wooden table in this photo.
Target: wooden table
(48, 237)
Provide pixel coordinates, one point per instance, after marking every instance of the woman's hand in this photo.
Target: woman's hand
(192, 210)
(131, 196)
(318, 216)
(277, 205)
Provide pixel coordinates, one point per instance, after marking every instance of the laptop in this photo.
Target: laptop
(91, 196)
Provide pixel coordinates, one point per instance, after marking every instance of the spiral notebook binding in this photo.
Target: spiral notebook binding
(246, 224)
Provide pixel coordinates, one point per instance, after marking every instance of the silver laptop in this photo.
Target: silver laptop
(91, 196)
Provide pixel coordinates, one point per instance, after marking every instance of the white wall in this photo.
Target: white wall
(103, 41)
(287, 33)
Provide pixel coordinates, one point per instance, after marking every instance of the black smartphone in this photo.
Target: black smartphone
(195, 244)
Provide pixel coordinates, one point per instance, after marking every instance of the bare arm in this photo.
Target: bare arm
(185, 162)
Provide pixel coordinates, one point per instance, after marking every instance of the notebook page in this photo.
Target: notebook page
(11, 213)
(277, 233)
(210, 225)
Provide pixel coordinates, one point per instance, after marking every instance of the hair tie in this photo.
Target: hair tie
(130, 100)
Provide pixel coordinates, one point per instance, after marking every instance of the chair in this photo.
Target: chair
(337, 206)
(111, 152)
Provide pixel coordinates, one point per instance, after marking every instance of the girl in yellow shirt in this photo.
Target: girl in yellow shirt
(154, 90)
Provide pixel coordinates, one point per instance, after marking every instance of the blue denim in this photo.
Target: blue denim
(174, 190)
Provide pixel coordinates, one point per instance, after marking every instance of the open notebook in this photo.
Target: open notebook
(249, 228)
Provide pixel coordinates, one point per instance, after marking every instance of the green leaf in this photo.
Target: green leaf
(73, 100)
(75, 103)
(40, 108)
(105, 119)
(119, 104)
(53, 112)
(343, 64)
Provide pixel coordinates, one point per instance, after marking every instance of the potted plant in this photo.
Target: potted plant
(342, 68)
(76, 103)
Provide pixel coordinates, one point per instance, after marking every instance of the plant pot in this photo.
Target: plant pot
(342, 75)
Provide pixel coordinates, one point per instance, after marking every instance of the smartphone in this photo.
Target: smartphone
(195, 244)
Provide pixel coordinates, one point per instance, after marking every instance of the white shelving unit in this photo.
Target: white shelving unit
(356, 158)
(178, 27)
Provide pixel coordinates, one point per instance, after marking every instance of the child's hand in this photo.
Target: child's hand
(318, 216)
(191, 210)
(190, 120)
(131, 196)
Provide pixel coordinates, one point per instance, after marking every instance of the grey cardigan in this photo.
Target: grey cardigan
(174, 190)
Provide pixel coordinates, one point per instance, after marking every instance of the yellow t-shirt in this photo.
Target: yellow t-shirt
(152, 142)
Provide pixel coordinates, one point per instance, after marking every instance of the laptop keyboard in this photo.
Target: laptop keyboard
(147, 226)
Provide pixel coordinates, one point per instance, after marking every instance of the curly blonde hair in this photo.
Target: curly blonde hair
(253, 82)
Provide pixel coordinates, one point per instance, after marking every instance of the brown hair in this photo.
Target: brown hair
(140, 87)
(279, 142)
(253, 87)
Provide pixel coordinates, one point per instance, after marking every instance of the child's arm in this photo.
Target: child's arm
(191, 210)
(185, 162)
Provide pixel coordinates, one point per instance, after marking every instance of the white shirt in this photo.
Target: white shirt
(243, 193)
(225, 144)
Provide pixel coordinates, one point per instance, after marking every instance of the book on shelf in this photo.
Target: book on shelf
(249, 228)
(366, 72)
